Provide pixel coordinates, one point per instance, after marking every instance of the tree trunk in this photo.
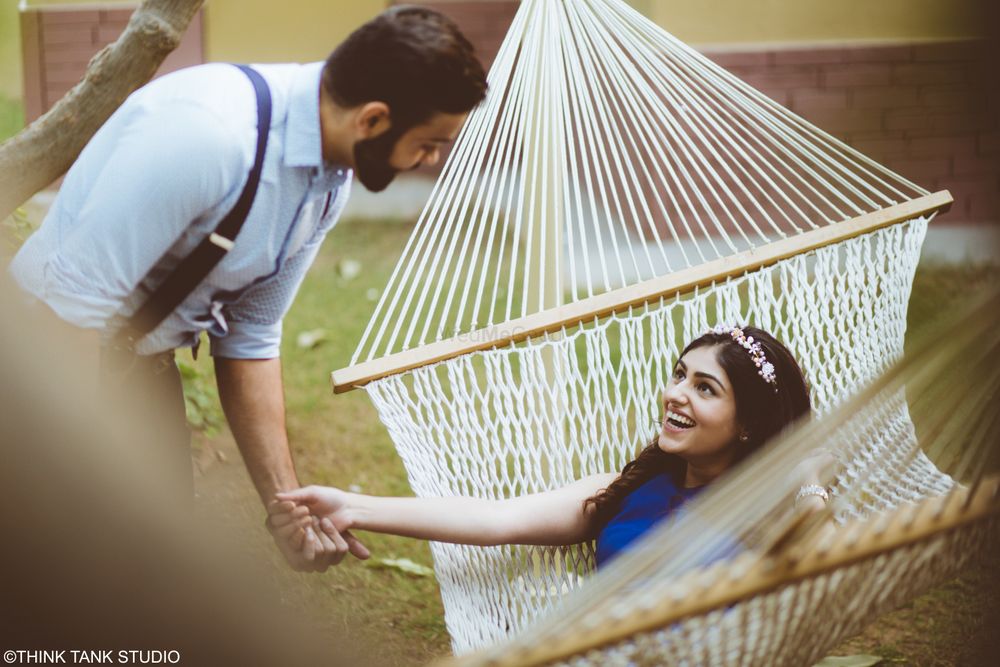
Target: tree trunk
(44, 150)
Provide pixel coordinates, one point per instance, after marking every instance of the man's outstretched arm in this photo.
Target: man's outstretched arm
(253, 399)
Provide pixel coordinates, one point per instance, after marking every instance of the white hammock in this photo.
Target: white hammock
(614, 196)
(797, 590)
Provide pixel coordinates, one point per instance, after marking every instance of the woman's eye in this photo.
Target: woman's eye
(706, 388)
(678, 374)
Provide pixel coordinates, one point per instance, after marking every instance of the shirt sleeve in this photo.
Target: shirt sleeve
(166, 169)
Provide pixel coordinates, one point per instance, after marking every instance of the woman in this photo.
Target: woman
(732, 389)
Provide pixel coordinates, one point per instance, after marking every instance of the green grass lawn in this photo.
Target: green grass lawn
(338, 440)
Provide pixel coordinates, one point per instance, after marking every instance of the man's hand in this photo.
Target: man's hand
(310, 542)
(293, 534)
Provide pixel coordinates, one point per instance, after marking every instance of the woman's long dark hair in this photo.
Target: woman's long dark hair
(761, 411)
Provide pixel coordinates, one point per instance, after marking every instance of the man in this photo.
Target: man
(171, 163)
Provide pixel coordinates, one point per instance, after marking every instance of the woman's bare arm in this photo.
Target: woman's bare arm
(552, 518)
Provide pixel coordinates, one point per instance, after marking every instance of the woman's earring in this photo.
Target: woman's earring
(744, 437)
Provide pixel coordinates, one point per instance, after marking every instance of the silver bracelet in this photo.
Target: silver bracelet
(812, 490)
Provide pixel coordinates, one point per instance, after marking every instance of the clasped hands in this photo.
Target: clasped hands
(310, 528)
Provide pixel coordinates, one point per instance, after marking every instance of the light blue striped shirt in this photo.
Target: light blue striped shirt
(158, 177)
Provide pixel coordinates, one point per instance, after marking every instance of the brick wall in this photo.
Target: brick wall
(927, 111)
(59, 42)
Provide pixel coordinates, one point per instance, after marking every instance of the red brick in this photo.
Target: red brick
(476, 34)
(878, 134)
(907, 120)
(784, 79)
(931, 132)
(58, 17)
(940, 146)
(955, 215)
(116, 15)
(918, 170)
(954, 97)
(107, 34)
(779, 95)
(65, 73)
(881, 149)
(817, 98)
(844, 121)
(890, 53)
(118, 26)
(970, 165)
(984, 207)
(54, 92)
(729, 59)
(968, 186)
(947, 51)
(963, 122)
(807, 56)
(860, 74)
(988, 143)
(70, 54)
(496, 9)
(929, 74)
(743, 72)
(187, 54)
(893, 97)
(67, 34)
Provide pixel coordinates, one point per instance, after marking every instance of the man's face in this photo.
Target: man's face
(377, 160)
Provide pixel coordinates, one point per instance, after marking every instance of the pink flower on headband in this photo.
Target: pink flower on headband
(753, 348)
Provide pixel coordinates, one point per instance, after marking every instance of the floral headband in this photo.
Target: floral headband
(754, 349)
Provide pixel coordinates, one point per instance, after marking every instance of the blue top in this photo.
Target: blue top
(158, 177)
(642, 509)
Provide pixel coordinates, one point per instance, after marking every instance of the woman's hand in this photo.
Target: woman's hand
(814, 470)
(321, 501)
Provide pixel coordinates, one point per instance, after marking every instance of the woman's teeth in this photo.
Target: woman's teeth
(680, 421)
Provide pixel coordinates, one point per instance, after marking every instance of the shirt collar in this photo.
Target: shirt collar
(303, 147)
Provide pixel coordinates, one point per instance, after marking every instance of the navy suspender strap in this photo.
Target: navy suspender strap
(193, 268)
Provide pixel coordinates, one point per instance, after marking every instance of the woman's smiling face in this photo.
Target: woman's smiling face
(699, 410)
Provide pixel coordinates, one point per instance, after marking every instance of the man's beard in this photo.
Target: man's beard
(371, 160)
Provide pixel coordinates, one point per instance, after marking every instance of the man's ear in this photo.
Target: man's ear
(372, 119)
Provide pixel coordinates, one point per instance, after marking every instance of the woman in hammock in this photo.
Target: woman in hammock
(732, 389)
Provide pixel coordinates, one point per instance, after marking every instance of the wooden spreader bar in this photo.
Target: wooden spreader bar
(622, 299)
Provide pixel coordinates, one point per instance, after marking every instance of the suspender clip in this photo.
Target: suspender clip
(221, 241)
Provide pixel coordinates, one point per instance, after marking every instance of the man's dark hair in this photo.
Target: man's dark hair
(412, 58)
